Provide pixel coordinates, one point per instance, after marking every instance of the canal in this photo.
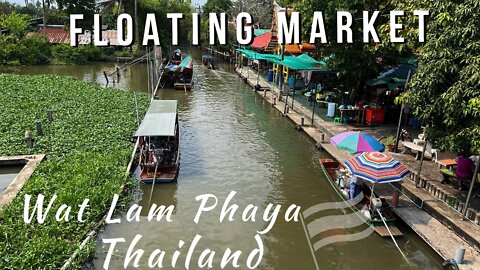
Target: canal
(231, 139)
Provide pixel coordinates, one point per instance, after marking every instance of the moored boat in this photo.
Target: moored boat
(176, 57)
(184, 74)
(366, 202)
(159, 157)
(207, 61)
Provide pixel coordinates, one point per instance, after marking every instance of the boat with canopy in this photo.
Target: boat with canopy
(158, 134)
(184, 74)
(363, 172)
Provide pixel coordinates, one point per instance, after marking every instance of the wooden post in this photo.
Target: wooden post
(399, 127)
(50, 115)
(29, 139)
(417, 178)
(38, 127)
(314, 103)
(106, 76)
(294, 84)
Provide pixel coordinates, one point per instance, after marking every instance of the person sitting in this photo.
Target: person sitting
(465, 170)
(355, 187)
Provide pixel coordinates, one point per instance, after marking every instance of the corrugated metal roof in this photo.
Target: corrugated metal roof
(57, 34)
(160, 119)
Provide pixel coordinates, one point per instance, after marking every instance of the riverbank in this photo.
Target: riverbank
(320, 130)
(87, 144)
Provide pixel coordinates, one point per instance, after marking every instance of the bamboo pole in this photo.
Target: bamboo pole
(472, 183)
(417, 178)
(401, 115)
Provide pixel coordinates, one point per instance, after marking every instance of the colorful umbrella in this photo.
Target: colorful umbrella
(377, 167)
(356, 142)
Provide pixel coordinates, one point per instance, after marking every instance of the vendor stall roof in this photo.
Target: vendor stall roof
(262, 41)
(260, 31)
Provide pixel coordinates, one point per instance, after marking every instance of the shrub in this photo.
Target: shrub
(87, 147)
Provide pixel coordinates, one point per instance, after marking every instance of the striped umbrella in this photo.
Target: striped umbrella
(356, 142)
(377, 167)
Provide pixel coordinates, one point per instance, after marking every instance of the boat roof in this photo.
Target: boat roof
(160, 119)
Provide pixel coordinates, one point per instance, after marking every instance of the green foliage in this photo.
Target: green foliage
(85, 7)
(66, 54)
(160, 9)
(445, 90)
(357, 61)
(15, 24)
(216, 6)
(390, 140)
(87, 146)
(16, 48)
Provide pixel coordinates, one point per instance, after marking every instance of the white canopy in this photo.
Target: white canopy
(160, 119)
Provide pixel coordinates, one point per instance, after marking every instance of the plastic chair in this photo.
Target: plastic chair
(337, 119)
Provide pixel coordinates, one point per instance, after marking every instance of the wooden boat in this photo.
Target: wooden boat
(184, 74)
(365, 204)
(176, 57)
(159, 157)
(207, 61)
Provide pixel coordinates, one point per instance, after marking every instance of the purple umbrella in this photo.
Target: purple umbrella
(356, 142)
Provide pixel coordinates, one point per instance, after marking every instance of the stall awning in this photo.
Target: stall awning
(272, 58)
(262, 41)
(300, 48)
(304, 62)
(160, 119)
(392, 78)
(258, 32)
(265, 42)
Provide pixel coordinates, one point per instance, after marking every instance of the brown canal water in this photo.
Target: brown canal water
(231, 139)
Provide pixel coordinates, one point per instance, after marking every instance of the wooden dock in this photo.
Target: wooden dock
(442, 239)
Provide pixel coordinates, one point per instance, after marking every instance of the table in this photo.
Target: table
(447, 163)
(360, 111)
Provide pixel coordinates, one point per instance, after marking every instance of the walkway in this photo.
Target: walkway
(435, 218)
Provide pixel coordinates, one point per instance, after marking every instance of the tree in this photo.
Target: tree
(357, 61)
(85, 7)
(216, 6)
(16, 47)
(445, 90)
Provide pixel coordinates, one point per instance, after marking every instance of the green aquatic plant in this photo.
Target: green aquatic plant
(88, 145)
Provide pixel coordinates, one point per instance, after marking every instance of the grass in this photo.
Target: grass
(87, 146)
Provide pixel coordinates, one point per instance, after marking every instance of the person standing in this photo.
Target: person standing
(465, 170)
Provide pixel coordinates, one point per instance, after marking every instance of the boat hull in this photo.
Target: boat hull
(183, 86)
(329, 166)
(165, 176)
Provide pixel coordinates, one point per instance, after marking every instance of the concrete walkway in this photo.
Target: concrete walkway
(439, 224)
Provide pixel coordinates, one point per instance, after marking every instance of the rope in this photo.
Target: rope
(153, 182)
(393, 238)
(309, 242)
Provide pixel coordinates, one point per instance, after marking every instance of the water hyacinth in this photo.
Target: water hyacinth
(88, 145)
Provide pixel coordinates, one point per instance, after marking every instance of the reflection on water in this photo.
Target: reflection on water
(231, 139)
(7, 174)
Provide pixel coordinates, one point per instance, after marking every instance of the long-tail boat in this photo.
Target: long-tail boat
(366, 203)
(159, 157)
(184, 74)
